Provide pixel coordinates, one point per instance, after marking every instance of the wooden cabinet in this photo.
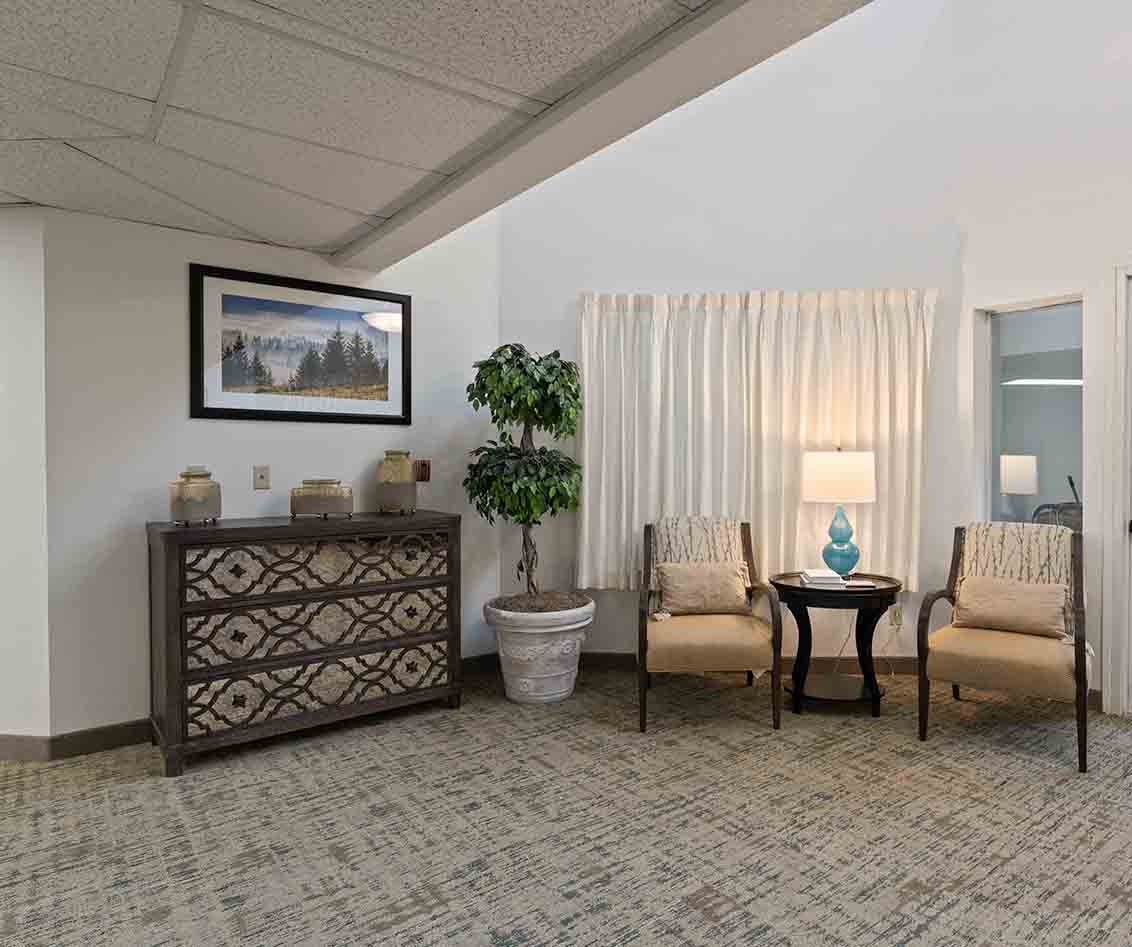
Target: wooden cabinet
(265, 626)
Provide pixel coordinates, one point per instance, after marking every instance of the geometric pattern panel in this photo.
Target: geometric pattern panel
(252, 634)
(216, 573)
(245, 700)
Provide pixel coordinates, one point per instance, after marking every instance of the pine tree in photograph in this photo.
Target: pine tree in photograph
(356, 358)
(369, 365)
(241, 367)
(261, 374)
(235, 369)
(309, 374)
(334, 366)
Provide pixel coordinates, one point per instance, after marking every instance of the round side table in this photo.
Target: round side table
(869, 603)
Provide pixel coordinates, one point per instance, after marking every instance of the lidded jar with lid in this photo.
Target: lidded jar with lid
(194, 497)
(395, 468)
(322, 496)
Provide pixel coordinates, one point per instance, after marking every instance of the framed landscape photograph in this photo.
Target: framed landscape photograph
(273, 348)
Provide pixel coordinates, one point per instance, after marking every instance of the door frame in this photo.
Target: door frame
(1116, 607)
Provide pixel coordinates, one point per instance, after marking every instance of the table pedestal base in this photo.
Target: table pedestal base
(846, 688)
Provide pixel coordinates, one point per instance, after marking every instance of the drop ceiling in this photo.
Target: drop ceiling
(358, 129)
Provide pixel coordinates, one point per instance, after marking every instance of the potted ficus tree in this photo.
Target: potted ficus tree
(539, 632)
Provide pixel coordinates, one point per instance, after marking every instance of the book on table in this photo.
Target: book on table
(822, 577)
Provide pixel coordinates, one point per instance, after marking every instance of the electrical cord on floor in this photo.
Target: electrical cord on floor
(893, 631)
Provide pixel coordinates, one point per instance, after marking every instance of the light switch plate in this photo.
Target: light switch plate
(261, 477)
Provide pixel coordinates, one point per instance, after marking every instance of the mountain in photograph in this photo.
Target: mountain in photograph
(276, 347)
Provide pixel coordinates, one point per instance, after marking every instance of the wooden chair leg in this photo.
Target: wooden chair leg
(925, 693)
(955, 691)
(642, 695)
(1082, 729)
(750, 678)
(776, 692)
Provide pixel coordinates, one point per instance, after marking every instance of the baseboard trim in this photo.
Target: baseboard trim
(61, 746)
(623, 661)
(33, 749)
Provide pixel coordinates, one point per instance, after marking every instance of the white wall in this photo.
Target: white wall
(971, 145)
(24, 648)
(118, 429)
(795, 175)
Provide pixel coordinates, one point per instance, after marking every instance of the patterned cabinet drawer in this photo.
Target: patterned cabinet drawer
(216, 573)
(296, 628)
(254, 698)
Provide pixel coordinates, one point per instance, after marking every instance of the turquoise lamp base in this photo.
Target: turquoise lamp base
(840, 553)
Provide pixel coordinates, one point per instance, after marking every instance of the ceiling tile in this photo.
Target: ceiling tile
(353, 45)
(25, 118)
(347, 180)
(240, 73)
(111, 108)
(119, 44)
(541, 49)
(265, 210)
(56, 174)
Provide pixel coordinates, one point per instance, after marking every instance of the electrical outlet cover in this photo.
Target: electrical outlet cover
(261, 477)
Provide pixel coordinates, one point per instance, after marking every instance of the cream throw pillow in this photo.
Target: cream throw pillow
(1030, 608)
(700, 588)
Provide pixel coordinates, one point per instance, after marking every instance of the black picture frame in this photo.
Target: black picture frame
(199, 272)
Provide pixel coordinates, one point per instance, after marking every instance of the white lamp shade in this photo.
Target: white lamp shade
(1018, 474)
(839, 476)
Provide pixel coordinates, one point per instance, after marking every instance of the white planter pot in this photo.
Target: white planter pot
(538, 651)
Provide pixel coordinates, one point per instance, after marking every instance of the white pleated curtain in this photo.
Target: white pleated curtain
(704, 404)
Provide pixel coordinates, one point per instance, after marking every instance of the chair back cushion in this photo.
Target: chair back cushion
(703, 588)
(695, 539)
(1029, 608)
(1035, 553)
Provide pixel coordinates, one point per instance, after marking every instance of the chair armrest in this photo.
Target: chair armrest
(775, 607)
(925, 619)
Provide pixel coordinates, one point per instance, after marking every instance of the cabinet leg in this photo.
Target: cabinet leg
(174, 762)
(454, 701)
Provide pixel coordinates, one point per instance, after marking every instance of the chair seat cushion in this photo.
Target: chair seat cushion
(991, 659)
(709, 643)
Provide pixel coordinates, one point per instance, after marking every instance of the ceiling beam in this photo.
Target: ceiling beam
(190, 12)
(724, 39)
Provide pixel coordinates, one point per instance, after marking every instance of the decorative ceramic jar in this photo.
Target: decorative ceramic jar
(194, 497)
(397, 479)
(322, 497)
(396, 468)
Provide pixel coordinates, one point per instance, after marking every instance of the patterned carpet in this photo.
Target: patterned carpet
(511, 826)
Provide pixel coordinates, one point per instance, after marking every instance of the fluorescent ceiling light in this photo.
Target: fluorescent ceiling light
(1044, 383)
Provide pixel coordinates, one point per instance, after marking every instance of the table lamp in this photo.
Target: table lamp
(1018, 474)
(837, 476)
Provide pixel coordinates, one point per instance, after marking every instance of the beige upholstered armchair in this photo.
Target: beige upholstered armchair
(694, 639)
(1020, 650)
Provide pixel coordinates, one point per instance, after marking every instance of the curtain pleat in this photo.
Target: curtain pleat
(705, 404)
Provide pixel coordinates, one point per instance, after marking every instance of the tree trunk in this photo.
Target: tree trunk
(530, 561)
(528, 565)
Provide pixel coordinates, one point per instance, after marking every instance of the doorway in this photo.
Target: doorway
(1036, 398)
